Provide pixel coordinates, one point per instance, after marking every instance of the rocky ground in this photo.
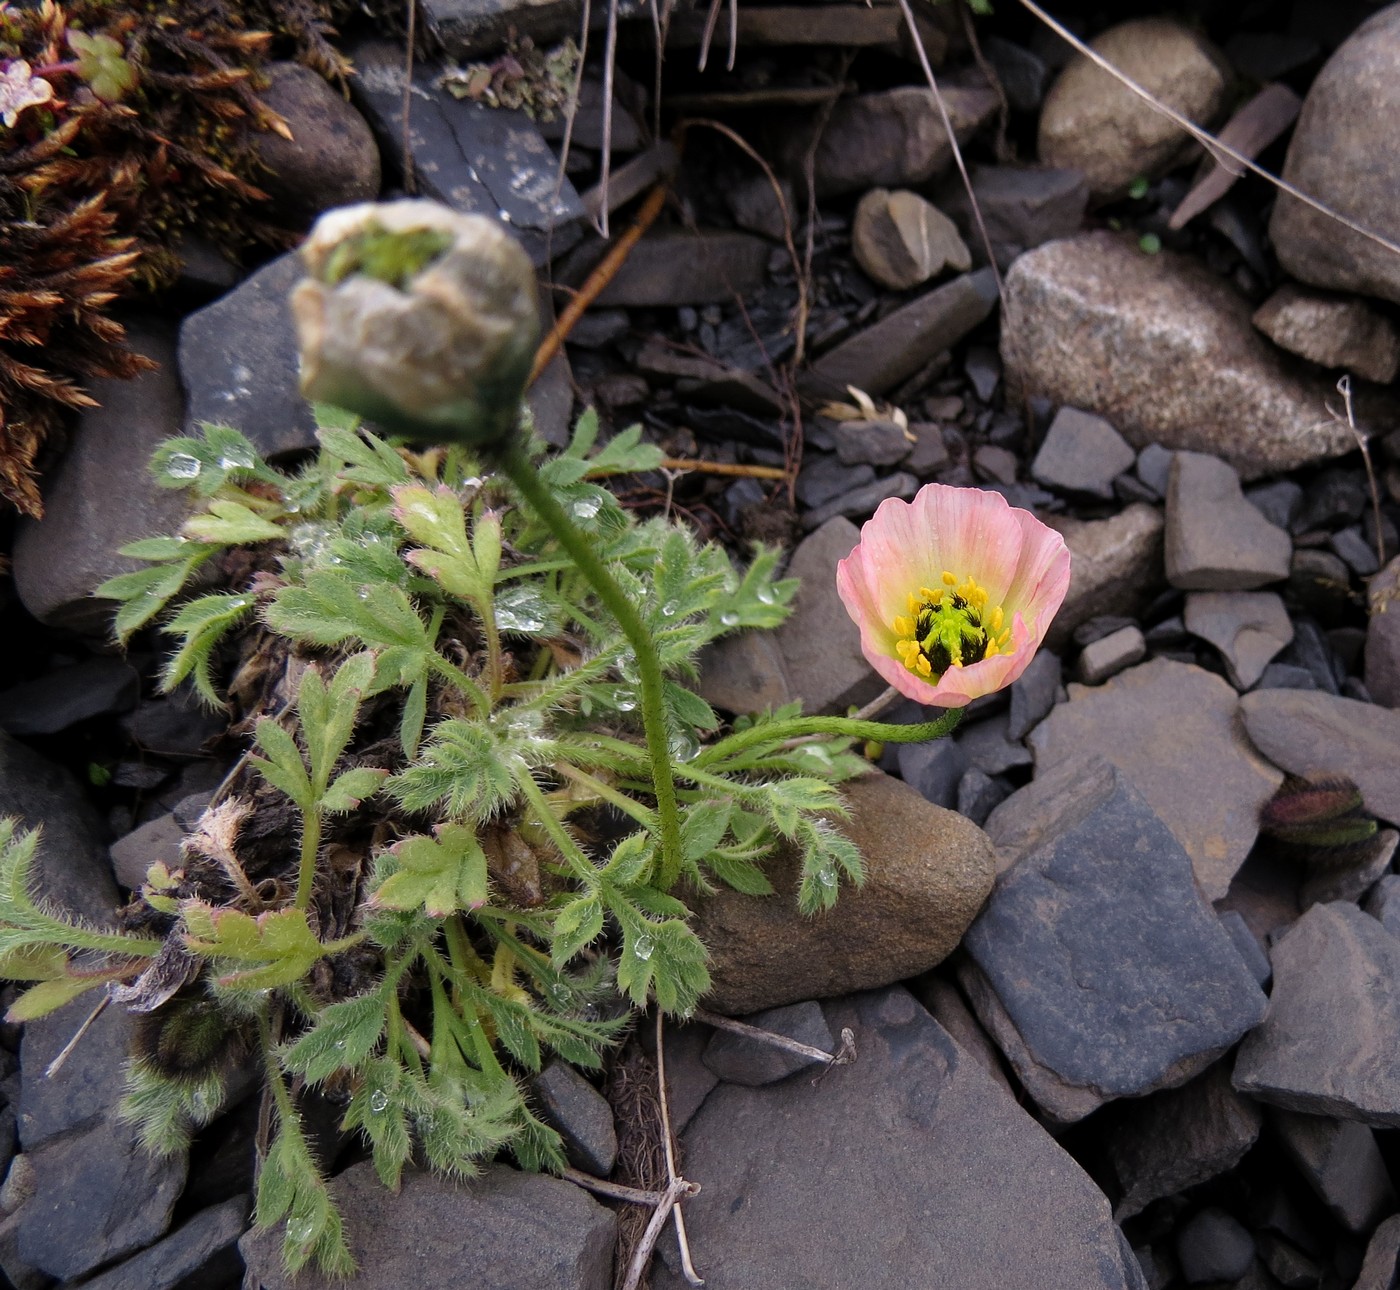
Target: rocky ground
(1107, 1032)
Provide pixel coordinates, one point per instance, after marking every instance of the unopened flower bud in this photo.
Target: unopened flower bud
(419, 318)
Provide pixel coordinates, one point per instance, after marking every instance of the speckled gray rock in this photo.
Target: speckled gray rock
(1217, 541)
(70, 866)
(201, 1251)
(1303, 731)
(1096, 965)
(860, 502)
(1353, 880)
(819, 643)
(744, 672)
(1173, 730)
(873, 443)
(1248, 945)
(1115, 566)
(1342, 1163)
(1110, 654)
(1384, 903)
(1033, 694)
(1179, 1138)
(945, 1002)
(1328, 1044)
(739, 1059)
(1335, 331)
(933, 769)
(1093, 122)
(1022, 207)
(910, 1155)
(1200, 378)
(1081, 454)
(1248, 628)
(101, 496)
(581, 1114)
(1382, 1257)
(1338, 154)
(156, 840)
(498, 1231)
(988, 746)
(927, 873)
(684, 268)
(1383, 636)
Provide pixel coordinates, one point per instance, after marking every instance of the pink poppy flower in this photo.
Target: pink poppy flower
(953, 592)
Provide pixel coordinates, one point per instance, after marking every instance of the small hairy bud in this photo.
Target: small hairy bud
(1320, 817)
(419, 318)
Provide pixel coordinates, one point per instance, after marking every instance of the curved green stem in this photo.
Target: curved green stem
(522, 474)
(778, 731)
(310, 846)
(558, 834)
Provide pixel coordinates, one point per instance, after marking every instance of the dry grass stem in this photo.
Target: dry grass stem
(843, 1056)
(1344, 389)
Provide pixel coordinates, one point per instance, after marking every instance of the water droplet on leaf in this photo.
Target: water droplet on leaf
(644, 948)
(182, 466)
(379, 1101)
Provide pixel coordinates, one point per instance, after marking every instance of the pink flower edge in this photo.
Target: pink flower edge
(1022, 563)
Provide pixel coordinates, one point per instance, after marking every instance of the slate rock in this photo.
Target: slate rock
(900, 239)
(1351, 546)
(1337, 155)
(156, 840)
(889, 139)
(884, 355)
(331, 158)
(1033, 694)
(988, 746)
(202, 1251)
(1154, 466)
(912, 1154)
(1096, 964)
(1342, 1164)
(1110, 654)
(1382, 1257)
(1327, 1046)
(100, 496)
(819, 643)
(1311, 649)
(927, 873)
(688, 1080)
(823, 477)
(1092, 122)
(1173, 730)
(675, 267)
(63, 697)
(933, 769)
(1022, 207)
(1335, 331)
(582, 1116)
(1022, 73)
(979, 795)
(1179, 1138)
(862, 501)
(1304, 732)
(498, 1231)
(1383, 636)
(1081, 454)
(738, 1059)
(1217, 541)
(1277, 501)
(1384, 903)
(945, 1003)
(238, 363)
(70, 866)
(1201, 377)
(744, 673)
(873, 443)
(97, 1197)
(1115, 566)
(1213, 1246)
(476, 159)
(1250, 949)
(1351, 881)
(1248, 628)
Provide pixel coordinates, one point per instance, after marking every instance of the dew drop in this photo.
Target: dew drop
(669, 609)
(301, 1230)
(521, 609)
(685, 747)
(626, 703)
(765, 596)
(379, 1101)
(644, 948)
(585, 508)
(199, 1102)
(826, 875)
(182, 466)
(561, 994)
(236, 461)
(729, 619)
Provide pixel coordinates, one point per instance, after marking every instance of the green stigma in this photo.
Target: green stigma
(395, 258)
(950, 627)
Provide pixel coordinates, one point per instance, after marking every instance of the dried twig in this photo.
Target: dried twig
(410, 179)
(723, 468)
(1209, 141)
(1344, 389)
(597, 280)
(614, 1191)
(571, 111)
(66, 1051)
(841, 1057)
(609, 72)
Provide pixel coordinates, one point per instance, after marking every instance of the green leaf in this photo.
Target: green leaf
(202, 623)
(144, 593)
(368, 459)
(826, 856)
(576, 925)
(103, 65)
(220, 454)
(283, 768)
(379, 1111)
(277, 947)
(44, 998)
(631, 861)
(351, 787)
(625, 453)
(442, 874)
(739, 873)
(703, 829)
(667, 958)
(231, 523)
(687, 708)
(435, 518)
(465, 771)
(343, 1036)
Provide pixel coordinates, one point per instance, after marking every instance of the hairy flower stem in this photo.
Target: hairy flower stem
(778, 731)
(310, 845)
(518, 467)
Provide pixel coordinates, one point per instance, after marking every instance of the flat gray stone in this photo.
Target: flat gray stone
(1201, 378)
(945, 1003)
(1173, 730)
(907, 1160)
(498, 1231)
(1343, 1165)
(933, 769)
(883, 355)
(862, 501)
(97, 1197)
(927, 873)
(204, 1247)
(988, 747)
(469, 28)
(1329, 1042)
(1096, 965)
(1249, 628)
(1110, 654)
(744, 673)
(682, 268)
(1033, 694)
(59, 699)
(156, 840)
(1382, 665)
(1081, 454)
(582, 1116)
(1115, 566)
(70, 867)
(1384, 903)
(872, 443)
(1335, 331)
(819, 643)
(1352, 880)
(1022, 207)
(738, 1059)
(1306, 731)
(1179, 1138)
(1213, 1246)
(101, 496)
(1217, 541)
(1382, 1257)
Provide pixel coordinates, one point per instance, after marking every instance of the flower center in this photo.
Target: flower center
(949, 627)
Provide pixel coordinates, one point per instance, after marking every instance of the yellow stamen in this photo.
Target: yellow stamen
(994, 619)
(948, 579)
(903, 626)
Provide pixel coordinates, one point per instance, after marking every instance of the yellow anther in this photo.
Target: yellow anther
(992, 650)
(948, 579)
(994, 619)
(911, 603)
(908, 652)
(903, 626)
(923, 667)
